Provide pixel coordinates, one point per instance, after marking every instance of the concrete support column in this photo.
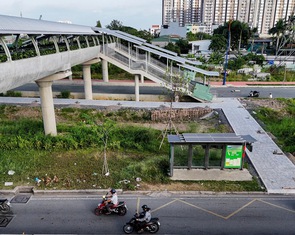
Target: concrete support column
(47, 106)
(87, 82)
(141, 78)
(137, 87)
(105, 71)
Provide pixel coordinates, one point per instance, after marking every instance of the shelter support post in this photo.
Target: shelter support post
(171, 159)
(207, 155)
(223, 156)
(190, 157)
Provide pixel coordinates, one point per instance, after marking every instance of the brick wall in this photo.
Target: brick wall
(179, 114)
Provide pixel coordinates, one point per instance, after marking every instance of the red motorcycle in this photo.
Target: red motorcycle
(120, 209)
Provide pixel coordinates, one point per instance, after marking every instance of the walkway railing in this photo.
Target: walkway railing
(161, 72)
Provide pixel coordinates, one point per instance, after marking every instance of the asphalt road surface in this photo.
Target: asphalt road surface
(195, 214)
(277, 91)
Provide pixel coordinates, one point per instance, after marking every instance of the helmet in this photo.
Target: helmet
(145, 208)
(113, 190)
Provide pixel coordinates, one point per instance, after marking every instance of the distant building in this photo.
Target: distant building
(262, 14)
(200, 47)
(155, 30)
(173, 28)
(195, 28)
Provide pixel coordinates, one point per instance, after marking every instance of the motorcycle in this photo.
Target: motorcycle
(120, 209)
(4, 206)
(133, 225)
(253, 94)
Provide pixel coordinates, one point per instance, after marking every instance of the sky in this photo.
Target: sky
(139, 14)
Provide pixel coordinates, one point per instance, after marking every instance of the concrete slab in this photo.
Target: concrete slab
(212, 174)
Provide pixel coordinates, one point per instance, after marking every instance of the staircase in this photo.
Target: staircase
(170, 75)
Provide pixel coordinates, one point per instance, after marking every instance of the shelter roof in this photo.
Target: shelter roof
(210, 138)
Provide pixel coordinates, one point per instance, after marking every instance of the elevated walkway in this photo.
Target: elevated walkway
(47, 48)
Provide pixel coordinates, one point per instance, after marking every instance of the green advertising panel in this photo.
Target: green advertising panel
(233, 156)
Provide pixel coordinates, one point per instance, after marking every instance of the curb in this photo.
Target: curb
(31, 190)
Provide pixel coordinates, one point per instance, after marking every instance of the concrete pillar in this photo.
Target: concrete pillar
(136, 87)
(45, 89)
(47, 106)
(105, 71)
(142, 78)
(87, 78)
(87, 82)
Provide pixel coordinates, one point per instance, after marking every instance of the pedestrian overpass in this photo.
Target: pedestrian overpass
(44, 51)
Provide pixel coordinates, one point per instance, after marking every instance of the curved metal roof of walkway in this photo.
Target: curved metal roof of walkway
(18, 25)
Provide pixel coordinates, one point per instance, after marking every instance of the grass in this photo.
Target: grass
(75, 158)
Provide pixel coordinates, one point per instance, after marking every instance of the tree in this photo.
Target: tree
(218, 43)
(115, 25)
(216, 58)
(197, 36)
(277, 31)
(172, 47)
(183, 45)
(239, 33)
(98, 24)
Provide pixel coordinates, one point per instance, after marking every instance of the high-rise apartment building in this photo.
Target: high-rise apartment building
(182, 11)
(262, 14)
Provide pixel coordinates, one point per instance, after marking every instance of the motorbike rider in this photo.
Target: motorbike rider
(144, 217)
(112, 201)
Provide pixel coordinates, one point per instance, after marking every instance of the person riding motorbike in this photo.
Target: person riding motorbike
(112, 201)
(144, 217)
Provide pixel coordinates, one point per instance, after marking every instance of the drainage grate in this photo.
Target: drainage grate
(20, 199)
(4, 220)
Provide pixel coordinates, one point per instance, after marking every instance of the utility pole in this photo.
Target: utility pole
(227, 52)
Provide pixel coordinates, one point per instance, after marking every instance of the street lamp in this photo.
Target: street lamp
(227, 51)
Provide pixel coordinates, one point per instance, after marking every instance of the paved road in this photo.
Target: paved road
(128, 88)
(179, 214)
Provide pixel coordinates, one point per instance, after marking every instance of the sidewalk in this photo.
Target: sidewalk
(251, 83)
(151, 83)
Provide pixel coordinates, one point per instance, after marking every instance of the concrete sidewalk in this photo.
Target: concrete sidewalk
(151, 83)
(212, 174)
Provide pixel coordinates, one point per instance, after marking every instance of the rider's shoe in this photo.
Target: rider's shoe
(140, 231)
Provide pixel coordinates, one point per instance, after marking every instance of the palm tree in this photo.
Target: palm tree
(278, 31)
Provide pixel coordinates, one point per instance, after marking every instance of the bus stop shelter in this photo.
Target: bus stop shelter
(232, 146)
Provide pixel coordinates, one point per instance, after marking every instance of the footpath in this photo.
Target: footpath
(151, 83)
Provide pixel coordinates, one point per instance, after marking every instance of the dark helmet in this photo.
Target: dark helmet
(145, 208)
(113, 191)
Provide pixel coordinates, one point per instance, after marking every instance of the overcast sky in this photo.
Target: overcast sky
(139, 14)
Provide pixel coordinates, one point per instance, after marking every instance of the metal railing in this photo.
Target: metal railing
(166, 74)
